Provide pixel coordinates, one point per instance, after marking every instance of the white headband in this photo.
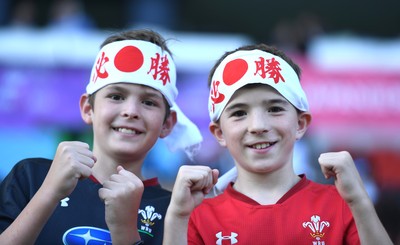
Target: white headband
(134, 61)
(142, 62)
(253, 66)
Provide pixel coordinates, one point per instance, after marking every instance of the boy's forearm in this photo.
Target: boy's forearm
(370, 229)
(175, 230)
(27, 226)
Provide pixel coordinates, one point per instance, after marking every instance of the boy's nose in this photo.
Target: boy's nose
(130, 110)
(258, 123)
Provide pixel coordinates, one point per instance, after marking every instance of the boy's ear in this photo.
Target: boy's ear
(86, 109)
(304, 120)
(215, 130)
(168, 124)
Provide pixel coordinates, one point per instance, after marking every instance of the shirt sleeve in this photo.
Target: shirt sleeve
(351, 234)
(18, 187)
(194, 237)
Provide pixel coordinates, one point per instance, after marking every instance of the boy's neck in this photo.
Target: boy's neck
(105, 167)
(266, 189)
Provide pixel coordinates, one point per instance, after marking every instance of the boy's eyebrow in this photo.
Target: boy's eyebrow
(233, 106)
(147, 90)
(278, 101)
(116, 87)
(152, 92)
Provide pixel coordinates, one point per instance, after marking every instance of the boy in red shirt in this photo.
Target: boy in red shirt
(258, 110)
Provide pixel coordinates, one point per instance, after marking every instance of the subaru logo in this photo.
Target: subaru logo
(86, 235)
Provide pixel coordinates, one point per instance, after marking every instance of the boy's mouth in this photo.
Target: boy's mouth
(264, 145)
(127, 130)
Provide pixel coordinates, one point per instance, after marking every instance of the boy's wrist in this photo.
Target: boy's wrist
(361, 205)
(177, 212)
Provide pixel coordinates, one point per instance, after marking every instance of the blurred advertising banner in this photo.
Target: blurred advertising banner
(359, 105)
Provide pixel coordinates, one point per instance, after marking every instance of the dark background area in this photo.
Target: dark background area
(257, 18)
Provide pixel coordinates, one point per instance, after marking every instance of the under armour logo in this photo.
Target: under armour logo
(232, 237)
(64, 202)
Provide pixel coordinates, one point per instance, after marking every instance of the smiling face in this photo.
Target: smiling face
(260, 127)
(127, 120)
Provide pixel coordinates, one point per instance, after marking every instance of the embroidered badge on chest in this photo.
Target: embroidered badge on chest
(148, 219)
(317, 229)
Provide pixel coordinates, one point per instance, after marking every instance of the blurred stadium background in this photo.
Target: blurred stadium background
(349, 53)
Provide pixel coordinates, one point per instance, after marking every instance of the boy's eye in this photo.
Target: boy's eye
(148, 103)
(116, 97)
(275, 109)
(238, 113)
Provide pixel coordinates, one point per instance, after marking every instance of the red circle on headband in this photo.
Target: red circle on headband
(129, 59)
(234, 70)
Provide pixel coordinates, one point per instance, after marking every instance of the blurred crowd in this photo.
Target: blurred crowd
(380, 169)
(80, 14)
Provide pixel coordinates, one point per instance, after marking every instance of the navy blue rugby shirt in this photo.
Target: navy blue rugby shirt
(80, 217)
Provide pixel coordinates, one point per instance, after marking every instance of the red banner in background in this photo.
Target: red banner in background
(362, 106)
(368, 99)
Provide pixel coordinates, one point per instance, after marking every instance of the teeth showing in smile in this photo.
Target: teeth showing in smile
(261, 146)
(126, 130)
